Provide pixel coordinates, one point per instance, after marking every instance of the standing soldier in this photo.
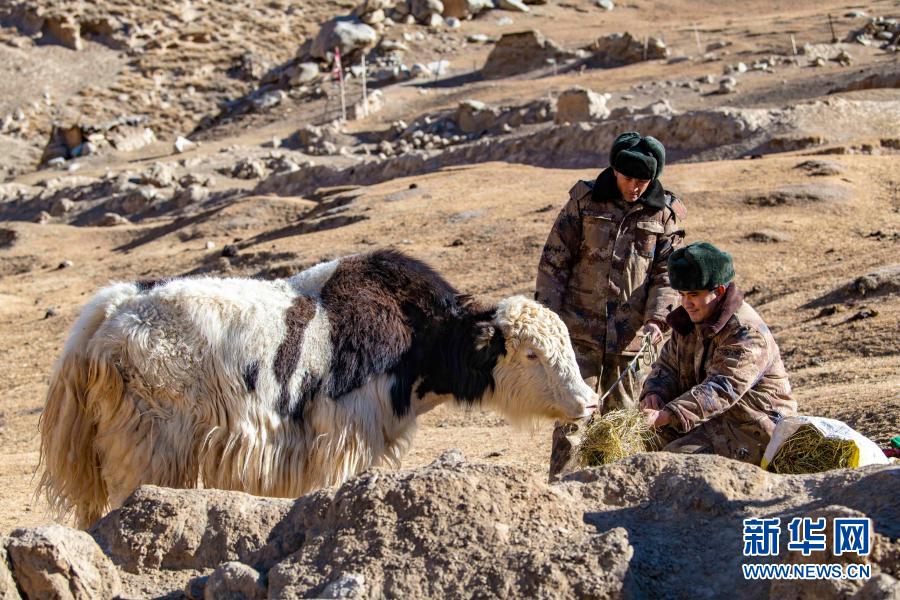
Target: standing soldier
(603, 270)
(719, 382)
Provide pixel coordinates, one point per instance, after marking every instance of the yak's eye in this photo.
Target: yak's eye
(531, 355)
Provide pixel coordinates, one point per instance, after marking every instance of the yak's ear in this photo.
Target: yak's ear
(484, 335)
(489, 342)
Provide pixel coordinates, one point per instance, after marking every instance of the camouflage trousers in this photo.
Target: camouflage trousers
(600, 371)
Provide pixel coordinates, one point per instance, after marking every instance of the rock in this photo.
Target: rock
(844, 58)
(580, 104)
(129, 139)
(422, 10)
(464, 9)
(138, 200)
(624, 49)
(727, 85)
(248, 168)
(767, 236)
(50, 313)
(61, 207)
(477, 38)
(736, 68)
(820, 168)
(8, 589)
(473, 116)
(884, 280)
(303, 73)
(159, 175)
(192, 194)
(55, 561)
(65, 264)
(269, 100)
(182, 144)
(112, 219)
(237, 580)
(514, 5)
(229, 250)
(605, 4)
(43, 218)
(248, 67)
(347, 33)
(351, 585)
(63, 31)
(521, 52)
(188, 529)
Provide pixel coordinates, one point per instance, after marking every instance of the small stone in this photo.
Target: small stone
(43, 218)
(514, 5)
(50, 312)
(65, 264)
(210, 245)
(727, 85)
(61, 206)
(606, 4)
(182, 144)
(229, 250)
(112, 219)
(349, 585)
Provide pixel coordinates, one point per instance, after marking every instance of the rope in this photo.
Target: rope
(645, 357)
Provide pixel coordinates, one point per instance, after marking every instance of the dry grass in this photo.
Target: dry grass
(809, 451)
(616, 435)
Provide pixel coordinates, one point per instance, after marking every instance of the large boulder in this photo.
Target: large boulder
(624, 49)
(580, 104)
(53, 561)
(347, 33)
(187, 529)
(521, 52)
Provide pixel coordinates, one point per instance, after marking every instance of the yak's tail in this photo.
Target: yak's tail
(72, 481)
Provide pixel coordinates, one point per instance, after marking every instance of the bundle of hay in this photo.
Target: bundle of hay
(616, 435)
(808, 450)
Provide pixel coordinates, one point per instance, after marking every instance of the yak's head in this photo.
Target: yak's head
(535, 374)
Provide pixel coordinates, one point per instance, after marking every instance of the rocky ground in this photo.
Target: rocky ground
(145, 140)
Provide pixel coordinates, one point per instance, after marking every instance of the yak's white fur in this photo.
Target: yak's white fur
(149, 389)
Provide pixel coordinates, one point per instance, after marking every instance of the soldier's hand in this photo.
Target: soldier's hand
(657, 418)
(652, 401)
(656, 334)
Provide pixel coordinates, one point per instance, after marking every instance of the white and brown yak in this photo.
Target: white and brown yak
(281, 387)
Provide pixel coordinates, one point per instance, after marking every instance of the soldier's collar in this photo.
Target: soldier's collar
(605, 189)
(680, 321)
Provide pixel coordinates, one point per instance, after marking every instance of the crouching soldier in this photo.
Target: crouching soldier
(719, 385)
(603, 271)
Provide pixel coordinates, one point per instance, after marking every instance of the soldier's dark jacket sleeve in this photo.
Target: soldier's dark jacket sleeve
(736, 365)
(560, 252)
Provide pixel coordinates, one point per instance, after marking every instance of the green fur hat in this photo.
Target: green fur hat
(700, 266)
(636, 156)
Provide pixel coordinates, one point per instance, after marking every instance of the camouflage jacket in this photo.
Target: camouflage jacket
(603, 269)
(724, 375)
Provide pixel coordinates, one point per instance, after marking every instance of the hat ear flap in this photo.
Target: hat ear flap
(654, 147)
